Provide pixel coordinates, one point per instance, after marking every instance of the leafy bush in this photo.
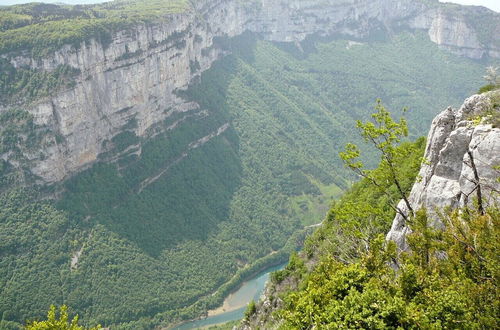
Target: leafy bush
(429, 291)
(295, 267)
(487, 88)
(55, 323)
(251, 309)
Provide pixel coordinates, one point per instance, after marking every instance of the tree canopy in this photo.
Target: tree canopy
(61, 322)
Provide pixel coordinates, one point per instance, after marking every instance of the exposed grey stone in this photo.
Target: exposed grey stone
(446, 177)
(137, 76)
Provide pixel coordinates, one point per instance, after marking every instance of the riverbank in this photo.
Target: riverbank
(216, 300)
(237, 299)
(226, 307)
(235, 304)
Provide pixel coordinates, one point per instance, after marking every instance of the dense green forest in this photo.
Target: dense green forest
(160, 232)
(43, 28)
(349, 276)
(426, 291)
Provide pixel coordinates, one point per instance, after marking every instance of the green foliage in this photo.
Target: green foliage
(365, 210)
(444, 280)
(123, 140)
(490, 115)
(295, 267)
(19, 135)
(43, 28)
(35, 245)
(55, 323)
(16, 133)
(161, 248)
(361, 216)
(459, 291)
(9, 325)
(493, 78)
(384, 134)
(251, 309)
(487, 88)
(25, 85)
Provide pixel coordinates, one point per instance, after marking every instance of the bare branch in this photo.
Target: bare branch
(476, 178)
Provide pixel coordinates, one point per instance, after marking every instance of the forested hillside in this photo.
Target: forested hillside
(444, 276)
(43, 28)
(147, 235)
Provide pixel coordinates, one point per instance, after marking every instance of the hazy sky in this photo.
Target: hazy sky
(73, 2)
(492, 4)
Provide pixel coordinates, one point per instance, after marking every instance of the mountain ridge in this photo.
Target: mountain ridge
(129, 81)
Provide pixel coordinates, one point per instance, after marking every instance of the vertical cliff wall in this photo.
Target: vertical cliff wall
(133, 83)
(129, 84)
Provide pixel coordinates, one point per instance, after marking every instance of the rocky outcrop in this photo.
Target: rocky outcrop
(453, 31)
(133, 82)
(458, 141)
(446, 26)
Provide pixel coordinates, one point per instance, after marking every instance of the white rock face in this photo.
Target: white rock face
(452, 32)
(447, 178)
(137, 76)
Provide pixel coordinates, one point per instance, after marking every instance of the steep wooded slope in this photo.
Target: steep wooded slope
(438, 267)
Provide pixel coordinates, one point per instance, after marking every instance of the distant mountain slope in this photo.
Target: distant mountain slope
(86, 72)
(164, 220)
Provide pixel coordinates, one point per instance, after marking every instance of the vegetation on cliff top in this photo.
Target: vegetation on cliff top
(41, 28)
(459, 291)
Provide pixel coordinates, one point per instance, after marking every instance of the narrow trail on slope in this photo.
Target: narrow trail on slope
(314, 225)
(193, 145)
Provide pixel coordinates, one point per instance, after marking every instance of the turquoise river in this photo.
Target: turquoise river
(235, 303)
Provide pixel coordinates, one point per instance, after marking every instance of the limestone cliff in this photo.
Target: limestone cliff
(133, 83)
(459, 141)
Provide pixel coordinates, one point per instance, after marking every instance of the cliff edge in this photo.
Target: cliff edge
(461, 158)
(130, 80)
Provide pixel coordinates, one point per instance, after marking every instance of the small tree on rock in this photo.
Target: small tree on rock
(385, 134)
